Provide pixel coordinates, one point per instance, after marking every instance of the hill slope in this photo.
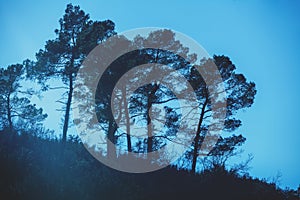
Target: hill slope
(34, 168)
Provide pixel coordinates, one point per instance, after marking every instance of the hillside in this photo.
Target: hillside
(35, 168)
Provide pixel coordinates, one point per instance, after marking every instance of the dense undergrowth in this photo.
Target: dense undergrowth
(35, 168)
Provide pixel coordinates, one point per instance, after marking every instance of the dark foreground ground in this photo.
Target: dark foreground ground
(34, 168)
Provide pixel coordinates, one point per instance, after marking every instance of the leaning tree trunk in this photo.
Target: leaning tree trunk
(68, 108)
(197, 137)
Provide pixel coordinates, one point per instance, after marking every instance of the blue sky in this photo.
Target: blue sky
(261, 38)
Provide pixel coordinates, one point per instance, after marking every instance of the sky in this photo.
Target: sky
(261, 38)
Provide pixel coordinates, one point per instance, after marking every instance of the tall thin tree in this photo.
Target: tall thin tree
(62, 56)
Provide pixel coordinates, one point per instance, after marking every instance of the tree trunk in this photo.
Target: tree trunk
(111, 148)
(68, 108)
(149, 104)
(9, 118)
(129, 148)
(150, 128)
(197, 138)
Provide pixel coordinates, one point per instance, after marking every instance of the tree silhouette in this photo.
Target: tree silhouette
(139, 105)
(15, 106)
(62, 56)
(32, 167)
(239, 94)
(155, 94)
